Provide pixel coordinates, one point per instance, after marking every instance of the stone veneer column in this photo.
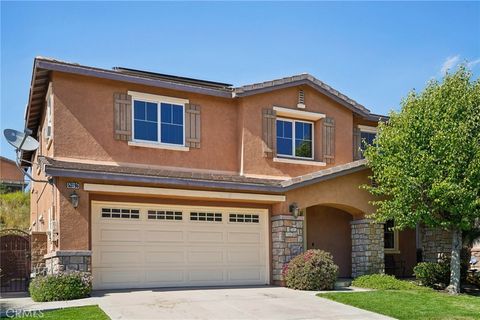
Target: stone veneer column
(38, 247)
(367, 247)
(435, 243)
(287, 242)
(65, 261)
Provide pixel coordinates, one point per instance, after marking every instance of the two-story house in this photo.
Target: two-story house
(159, 180)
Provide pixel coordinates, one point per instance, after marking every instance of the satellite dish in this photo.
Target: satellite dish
(20, 140)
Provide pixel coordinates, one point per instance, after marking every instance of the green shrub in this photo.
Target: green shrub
(382, 282)
(474, 279)
(311, 270)
(433, 274)
(65, 286)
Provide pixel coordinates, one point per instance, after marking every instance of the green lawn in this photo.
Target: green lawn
(411, 304)
(77, 313)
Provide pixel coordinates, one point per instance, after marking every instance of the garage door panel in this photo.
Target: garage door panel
(244, 237)
(206, 275)
(205, 236)
(247, 274)
(120, 257)
(163, 236)
(206, 257)
(160, 277)
(110, 276)
(244, 256)
(151, 251)
(123, 235)
(164, 257)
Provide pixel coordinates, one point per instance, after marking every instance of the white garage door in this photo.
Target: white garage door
(141, 246)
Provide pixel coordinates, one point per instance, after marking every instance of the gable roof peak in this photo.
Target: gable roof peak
(301, 79)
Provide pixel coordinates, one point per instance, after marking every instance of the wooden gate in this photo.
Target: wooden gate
(15, 260)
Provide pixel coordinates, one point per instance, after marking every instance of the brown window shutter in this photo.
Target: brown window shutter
(269, 123)
(192, 125)
(357, 143)
(328, 145)
(122, 103)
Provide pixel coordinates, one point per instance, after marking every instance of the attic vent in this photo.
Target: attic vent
(301, 99)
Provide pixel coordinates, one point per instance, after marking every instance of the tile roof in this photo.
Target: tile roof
(190, 178)
(163, 175)
(302, 78)
(325, 174)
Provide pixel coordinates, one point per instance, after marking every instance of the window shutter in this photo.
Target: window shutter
(357, 143)
(192, 125)
(328, 140)
(122, 103)
(269, 117)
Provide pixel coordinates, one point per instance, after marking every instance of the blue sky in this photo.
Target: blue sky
(374, 52)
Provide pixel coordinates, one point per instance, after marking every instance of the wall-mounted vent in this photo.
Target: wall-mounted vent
(301, 99)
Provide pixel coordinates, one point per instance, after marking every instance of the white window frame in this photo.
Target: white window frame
(368, 129)
(293, 156)
(48, 131)
(158, 100)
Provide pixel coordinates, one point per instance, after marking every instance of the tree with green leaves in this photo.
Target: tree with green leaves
(15, 210)
(426, 161)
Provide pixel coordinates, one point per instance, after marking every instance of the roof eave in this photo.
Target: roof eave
(334, 175)
(178, 182)
(113, 75)
(310, 83)
(182, 182)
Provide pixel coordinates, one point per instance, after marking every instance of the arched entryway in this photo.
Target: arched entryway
(328, 228)
(14, 260)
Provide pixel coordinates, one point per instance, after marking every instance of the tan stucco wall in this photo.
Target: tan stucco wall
(251, 112)
(342, 192)
(9, 171)
(42, 195)
(329, 229)
(83, 126)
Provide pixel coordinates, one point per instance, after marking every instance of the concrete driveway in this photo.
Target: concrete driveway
(209, 303)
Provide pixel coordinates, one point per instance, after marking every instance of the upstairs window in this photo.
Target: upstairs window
(160, 121)
(145, 116)
(171, 123)
(367, 138)
(295, 138)
(367, 135)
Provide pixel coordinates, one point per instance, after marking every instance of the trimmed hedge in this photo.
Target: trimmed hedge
(382, 282)
(311, 270)
(433, 274)
(64, 286)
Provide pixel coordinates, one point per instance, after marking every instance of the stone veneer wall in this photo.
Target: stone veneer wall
(367, 247)
(38, 249)
(68, 261)
(435, 243)
(287, 242)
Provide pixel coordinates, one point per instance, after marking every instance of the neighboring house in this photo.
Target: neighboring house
(161, 180)
(11, 179)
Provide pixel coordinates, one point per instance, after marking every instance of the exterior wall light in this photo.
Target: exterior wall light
(74, 198)
(293, 208)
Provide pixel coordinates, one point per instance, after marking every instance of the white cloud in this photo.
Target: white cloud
(473, 63)
(449, 63)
